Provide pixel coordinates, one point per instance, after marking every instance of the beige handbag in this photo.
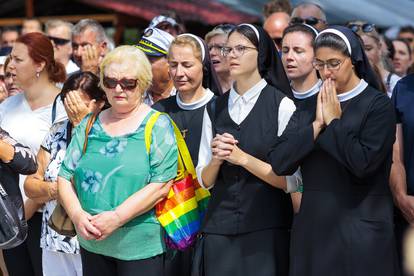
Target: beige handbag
(59, 220)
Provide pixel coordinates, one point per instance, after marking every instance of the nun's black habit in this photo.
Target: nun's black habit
(345, 223)
(189, 120)
(246, 227)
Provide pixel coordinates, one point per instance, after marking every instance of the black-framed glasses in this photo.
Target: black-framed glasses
(58, 41)
(238, 50)
(366, 28)
(126, 84)
(311, 20)
(226, 27)
(331, 64)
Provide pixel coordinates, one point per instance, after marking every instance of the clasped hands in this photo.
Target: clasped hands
(224, 148)
(97, 227)
(328, 107)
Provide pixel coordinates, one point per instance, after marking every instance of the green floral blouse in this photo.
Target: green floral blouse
(111, 170)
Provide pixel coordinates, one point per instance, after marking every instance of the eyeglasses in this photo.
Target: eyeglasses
(308, 20)
(217, 47)
(237, 50)
(126, 84)
(331, 64)
(366, 28)
(58, 41)
(225, 27)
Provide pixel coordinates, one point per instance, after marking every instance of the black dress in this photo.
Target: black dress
(178, 263)
(188, 121)
(246, 227)
(344, 226)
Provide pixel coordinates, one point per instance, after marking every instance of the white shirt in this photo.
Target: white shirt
(308, 93)
(343, 97)
(71, 67)
(28, 127)
(208, 95)
(393, 81)
(239, 107)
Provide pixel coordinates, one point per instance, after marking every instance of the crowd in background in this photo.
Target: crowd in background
(301, 130)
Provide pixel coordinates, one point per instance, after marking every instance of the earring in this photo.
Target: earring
(37, 74)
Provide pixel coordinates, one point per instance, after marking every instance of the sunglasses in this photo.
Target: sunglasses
(308, 20)
(366, 28)
(58, 41)
(126, 84)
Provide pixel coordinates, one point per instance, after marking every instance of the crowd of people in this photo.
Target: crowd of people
(301, 130)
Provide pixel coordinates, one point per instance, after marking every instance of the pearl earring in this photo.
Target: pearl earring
(37, 74)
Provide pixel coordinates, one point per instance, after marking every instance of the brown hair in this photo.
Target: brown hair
(87, 82)
(41, 50)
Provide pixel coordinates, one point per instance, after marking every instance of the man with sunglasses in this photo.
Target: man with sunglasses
(311, 14)
(274, 25)
(60, 34)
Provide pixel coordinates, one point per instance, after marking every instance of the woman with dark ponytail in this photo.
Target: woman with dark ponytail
(28, 117)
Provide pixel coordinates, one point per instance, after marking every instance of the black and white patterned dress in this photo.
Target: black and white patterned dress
(55, 143)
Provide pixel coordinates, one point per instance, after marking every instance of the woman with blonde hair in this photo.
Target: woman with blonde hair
(109, 190)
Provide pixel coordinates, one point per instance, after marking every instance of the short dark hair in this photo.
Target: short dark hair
(277, 6)
(10, 29)
(301, 28)
(407, 29)
(406, 43)
(85, 81)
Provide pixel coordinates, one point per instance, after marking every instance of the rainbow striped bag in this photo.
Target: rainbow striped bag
(182, 211)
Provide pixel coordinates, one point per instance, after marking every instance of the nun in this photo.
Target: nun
(297, 57)
(246, 226)
(345, 222)
(196, 83)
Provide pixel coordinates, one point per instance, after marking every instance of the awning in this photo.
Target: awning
(209, 12)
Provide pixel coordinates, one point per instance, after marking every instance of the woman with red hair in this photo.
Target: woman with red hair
(28, 117)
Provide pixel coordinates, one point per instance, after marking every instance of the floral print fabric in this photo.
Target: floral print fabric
(55, 143)
(114, 168)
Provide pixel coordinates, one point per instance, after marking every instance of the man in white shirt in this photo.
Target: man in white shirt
(60, 34)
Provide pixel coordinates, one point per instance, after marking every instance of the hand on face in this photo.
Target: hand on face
(3, 92)
(76, 108)
(90, 59)
(331, 108)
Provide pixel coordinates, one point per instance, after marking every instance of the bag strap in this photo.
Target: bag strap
(185, 162)
(88, 128)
